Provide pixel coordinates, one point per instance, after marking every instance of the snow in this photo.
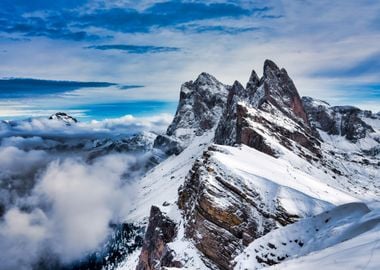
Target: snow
(338, 225)
(186, 252)
(131, 261)
(343, 238)
(264, 170)
(160, 185)
(342, 143)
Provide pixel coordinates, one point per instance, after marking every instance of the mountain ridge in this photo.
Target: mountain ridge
(223, 199)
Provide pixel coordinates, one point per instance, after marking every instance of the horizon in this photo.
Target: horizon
(144, 50)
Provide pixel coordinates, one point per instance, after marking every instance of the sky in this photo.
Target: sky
(100, 59)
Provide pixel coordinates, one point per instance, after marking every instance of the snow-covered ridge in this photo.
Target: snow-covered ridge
(275, 164)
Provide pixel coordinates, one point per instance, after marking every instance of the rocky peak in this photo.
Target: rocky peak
(61, 116)
(155, 253)
(200, 106)
(266, 102)
(271, 70)
(281, 92)
(206, 79)
(337, 120)
(253, 81)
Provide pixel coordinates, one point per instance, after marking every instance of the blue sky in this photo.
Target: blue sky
(330, 49)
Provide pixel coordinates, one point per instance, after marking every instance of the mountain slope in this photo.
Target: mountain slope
(255, 163)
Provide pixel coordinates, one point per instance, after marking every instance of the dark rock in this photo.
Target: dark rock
(338, 120)
(274, 94)
(224, 230)
(199, 109)
(61, 116)
(155, 253)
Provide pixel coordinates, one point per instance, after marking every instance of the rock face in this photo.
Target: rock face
(200, 105)
(267, 105)
(222, 214)
(155, 253)
(338, 120)
(63, 117)
(226, 203)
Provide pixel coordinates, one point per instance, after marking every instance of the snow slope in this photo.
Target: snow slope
(343, 229)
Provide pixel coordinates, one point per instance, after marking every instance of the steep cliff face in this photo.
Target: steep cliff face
(338, 120)
(271, 106)
(155, 253)
(259, 159)
(224, 213)
(201, 103)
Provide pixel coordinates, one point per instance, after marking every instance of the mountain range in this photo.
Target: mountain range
(245, 177)
(257, 177)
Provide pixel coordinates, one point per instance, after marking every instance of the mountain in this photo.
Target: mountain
(200, 106)
(257, 176)
(61, 116)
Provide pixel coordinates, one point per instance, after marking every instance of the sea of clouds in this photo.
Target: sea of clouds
(59, 203)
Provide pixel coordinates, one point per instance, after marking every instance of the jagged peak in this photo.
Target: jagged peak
(253, 81)
(61, 116)
(206, 78)
(270, 67)
(237, 84)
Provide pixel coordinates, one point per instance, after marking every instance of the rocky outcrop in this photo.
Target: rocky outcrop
(200, 106)
(280, 91)
(270, 105)
(338, 120)
(155, 253)
(223, 215)
(61, 116)
(224, 206)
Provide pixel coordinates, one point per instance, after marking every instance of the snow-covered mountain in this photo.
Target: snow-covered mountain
(258, 176)
(243, 178)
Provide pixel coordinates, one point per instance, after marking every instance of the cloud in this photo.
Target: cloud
(26, 5)
(14, 161)
(164, 14)
(370, 65)
(139, 49)
(55, 129)
(19, 87)
(51, 197)
(72, 200)
(73, 21)
(197, 28)
(54, 27)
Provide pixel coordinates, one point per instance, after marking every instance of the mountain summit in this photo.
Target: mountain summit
(256, 176)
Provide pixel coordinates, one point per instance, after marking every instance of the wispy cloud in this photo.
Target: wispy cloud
(197, 28)
(21, 87)
(370, 65)
(139, 49)
(74, 23)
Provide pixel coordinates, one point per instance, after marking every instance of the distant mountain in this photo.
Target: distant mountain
(61, 116)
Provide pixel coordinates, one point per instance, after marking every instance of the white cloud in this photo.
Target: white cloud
(69, 211)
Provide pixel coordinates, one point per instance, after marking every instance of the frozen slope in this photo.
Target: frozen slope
(299, 192)
(269, 183)
(347, 237)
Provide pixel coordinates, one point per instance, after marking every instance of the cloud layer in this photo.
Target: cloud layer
(58, 199)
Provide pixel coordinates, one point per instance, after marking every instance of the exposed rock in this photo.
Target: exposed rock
(155, 253)
(337, 120)
(200, 106)
(67, 119)
(222, 214)
(261, 108)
